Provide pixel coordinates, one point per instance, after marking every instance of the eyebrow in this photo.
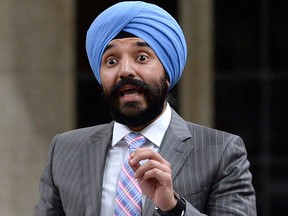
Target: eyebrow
(142, 44)
(139, 43)
(109, 46)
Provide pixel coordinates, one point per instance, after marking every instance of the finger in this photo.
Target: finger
(146, 154)
(162, 177)
(152, 164)
(134, 166)
(148, 159)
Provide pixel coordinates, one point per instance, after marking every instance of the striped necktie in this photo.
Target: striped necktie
(128, 194)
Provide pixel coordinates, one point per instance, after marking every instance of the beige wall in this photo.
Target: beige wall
(36, 93)
(196, 85)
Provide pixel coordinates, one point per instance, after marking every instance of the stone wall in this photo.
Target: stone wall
(36, 93)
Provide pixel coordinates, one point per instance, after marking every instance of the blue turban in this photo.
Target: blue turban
(147, 21)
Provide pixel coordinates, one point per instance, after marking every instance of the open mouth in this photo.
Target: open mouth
(130, 90)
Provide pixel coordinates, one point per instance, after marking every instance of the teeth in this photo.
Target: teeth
(130, 92)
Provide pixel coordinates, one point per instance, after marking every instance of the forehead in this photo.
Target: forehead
(128, 41)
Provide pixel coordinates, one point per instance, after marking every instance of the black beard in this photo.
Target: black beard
(155, 96)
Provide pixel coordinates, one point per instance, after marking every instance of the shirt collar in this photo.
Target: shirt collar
(153, 132)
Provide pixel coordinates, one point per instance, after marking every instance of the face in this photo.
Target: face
(134, 82)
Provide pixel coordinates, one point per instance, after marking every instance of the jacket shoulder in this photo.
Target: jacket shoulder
(212, 133)
(83, 136)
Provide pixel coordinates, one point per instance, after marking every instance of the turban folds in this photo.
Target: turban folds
(147, 21)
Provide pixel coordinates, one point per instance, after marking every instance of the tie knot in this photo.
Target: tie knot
(134, 141)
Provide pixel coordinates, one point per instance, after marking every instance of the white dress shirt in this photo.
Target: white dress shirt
(118, 152)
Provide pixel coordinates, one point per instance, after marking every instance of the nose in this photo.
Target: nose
(126, 69)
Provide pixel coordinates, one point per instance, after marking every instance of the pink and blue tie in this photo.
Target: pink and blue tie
(128, 194)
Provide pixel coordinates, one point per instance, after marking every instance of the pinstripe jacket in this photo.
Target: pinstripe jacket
(210, 171)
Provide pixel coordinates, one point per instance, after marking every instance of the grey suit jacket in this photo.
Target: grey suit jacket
(210, 171)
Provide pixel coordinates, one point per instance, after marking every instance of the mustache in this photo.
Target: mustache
(140, 84)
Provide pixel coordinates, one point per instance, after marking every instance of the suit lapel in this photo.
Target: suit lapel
(93, 163)
(173, 149)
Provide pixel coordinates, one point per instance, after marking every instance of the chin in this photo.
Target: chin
(132, 109)
(135, 115)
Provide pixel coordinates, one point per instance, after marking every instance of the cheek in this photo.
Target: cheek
(106, 81)
(155, 76)
(157, 71)
(109, 75)
(149, 74)
(106, 87)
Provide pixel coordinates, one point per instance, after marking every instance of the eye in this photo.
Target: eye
(142, 58)
(111, 62)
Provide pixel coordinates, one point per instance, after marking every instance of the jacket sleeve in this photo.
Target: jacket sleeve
(50, 200)
(232, 192)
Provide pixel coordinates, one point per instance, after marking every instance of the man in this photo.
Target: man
(137, 52)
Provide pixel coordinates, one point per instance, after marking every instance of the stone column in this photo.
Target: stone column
(196, 85)
(36, 93)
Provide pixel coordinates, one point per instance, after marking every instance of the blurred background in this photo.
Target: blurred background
(236, 80)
